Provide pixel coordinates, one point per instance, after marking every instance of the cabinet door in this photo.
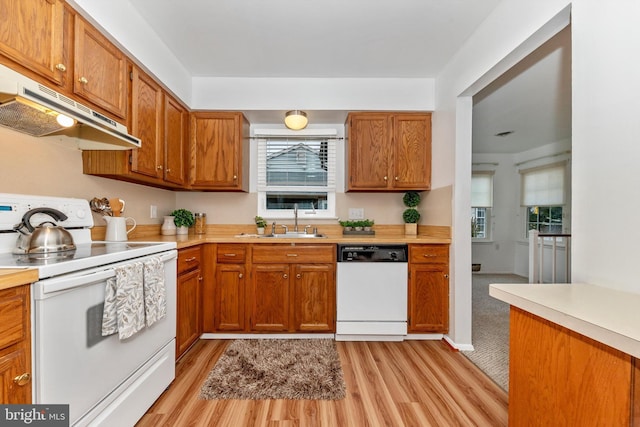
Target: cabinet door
(176, 128)
(146, 123)
(369, 151)
(313, 297)
(15, 376)
(100, 70)
(15, 345)
(229, 297)
(269, 298)
(428, 298)
(33, 36)
(216, 151)
(412, 151)
(188, 311)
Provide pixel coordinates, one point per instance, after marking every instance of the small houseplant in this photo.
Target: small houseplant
(367, 224)
(261, 224)
(183, 219)
(411, 216)
(347, 225)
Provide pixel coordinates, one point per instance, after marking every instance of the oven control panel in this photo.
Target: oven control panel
(14, 206)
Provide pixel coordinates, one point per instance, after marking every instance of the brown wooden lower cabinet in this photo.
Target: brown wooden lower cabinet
(428, 288)
(558, 377)
(15, 345)
(268, 298)
(313, 293)
(188, 318)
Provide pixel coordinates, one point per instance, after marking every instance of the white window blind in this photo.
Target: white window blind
(482, 190)
(300, 164)
(543, 186)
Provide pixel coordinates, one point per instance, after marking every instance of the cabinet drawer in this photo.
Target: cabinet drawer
(13, 316)
(231, 254)
(293, 254)
(432, 254)
(189, 259)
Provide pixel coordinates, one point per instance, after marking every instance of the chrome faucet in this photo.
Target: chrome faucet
(295, 217)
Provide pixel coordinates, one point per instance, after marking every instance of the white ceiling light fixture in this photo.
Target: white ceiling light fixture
(295, 119)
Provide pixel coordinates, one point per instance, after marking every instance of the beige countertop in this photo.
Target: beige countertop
(606, 315)
(10, 277)
(193, 239)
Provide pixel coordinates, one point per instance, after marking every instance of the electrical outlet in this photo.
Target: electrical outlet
(153, 211)
(356, 213)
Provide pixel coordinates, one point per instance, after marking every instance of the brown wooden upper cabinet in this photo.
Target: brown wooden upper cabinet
(146, 122)
(100, 69)
(219, 151)
(388, 151)
(176, 139)
(161, 122)
(33, 36)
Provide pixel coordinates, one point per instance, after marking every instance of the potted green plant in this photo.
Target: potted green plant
(183, 219)
(347, 225)
(261, 224)
(367, 224)
(411, 216)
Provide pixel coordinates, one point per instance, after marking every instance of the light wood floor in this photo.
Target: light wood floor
(410, 383)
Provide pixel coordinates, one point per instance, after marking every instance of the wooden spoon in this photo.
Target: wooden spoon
(116, 206)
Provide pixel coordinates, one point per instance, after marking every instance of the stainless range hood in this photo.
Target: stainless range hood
(29, 107)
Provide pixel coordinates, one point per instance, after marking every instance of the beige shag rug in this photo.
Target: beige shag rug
(277, 369)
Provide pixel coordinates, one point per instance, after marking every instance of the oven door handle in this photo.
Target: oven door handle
(64, 283)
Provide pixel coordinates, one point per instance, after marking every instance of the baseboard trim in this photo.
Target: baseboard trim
(211, 336)
(458, 347)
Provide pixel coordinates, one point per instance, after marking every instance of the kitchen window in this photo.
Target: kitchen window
(297, 170)
(543, 198)
(481, 203)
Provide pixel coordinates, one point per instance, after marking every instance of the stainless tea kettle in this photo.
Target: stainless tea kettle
(45, 238)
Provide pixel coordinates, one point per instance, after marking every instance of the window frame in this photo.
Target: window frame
(487, 225)
(330, 135)
(485, 204)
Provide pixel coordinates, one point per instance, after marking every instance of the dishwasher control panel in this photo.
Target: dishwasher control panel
(372, 253)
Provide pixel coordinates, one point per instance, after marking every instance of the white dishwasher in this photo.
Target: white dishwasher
(371, 282)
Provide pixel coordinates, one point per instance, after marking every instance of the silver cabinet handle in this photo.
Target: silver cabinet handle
(190, 259)
(292, 254)
(446, 276)
(285, 276)
(83, 80)
(298, 276)
(61, 67)
(240, 276)
(230, 255)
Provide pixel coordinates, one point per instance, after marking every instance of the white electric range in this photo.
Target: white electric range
(105, 380)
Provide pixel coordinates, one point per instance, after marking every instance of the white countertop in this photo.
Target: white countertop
(606, 315)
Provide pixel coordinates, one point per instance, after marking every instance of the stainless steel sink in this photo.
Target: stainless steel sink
(293, 235)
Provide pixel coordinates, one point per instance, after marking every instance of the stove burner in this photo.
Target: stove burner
(44, 258)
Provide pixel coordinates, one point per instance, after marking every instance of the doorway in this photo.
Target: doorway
(521, 122)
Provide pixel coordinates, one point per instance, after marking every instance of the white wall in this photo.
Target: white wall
(122, 23)
(512, 31)
(606, 148)
(313, 94)
(43, 166)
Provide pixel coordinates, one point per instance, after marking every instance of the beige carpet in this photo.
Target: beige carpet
(490, 328)
(277, 369)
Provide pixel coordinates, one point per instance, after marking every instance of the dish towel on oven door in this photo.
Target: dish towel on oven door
(155, 294)
(124, 302)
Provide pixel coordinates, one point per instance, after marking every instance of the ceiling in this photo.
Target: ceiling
(532, 99)
(364, 39)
